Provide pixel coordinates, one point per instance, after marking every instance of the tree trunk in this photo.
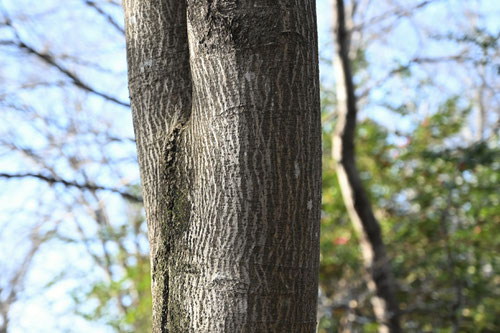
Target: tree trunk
(4, 321)
(225, 100)
(380, 281)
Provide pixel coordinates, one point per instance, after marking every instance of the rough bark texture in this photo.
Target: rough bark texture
(230, 163)
(377, 263)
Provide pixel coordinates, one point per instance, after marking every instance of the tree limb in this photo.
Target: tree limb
(86, 186)
(108, 17)
(51, 60)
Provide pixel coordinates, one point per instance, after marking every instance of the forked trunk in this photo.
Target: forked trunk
(225, 99)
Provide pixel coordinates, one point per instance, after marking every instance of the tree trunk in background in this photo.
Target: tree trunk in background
(380, 281)
(5, 323)
(229, 144)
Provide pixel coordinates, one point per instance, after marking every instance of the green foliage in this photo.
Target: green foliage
(438, 202)
(121, 300)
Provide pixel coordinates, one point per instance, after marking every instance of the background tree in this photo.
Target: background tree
(378, 266)
(417, 88)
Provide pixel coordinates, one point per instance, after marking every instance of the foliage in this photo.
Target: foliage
(122, 300)
(439, 211)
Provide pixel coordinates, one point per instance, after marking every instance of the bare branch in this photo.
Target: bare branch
(108, 17)
(51, 60)
(433, 60)
(417, 60)
(16, 282)
(397, 13)
(86, 186)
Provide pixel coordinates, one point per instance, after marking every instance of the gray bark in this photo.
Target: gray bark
(4, 322)
(225, 100)
(377, 263)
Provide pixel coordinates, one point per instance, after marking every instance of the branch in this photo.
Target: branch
(16, 283)
(114, 3)
(416, 60)
(86, 186)
(50, 60)
(397, 13)
(108, 17)
(433, 60)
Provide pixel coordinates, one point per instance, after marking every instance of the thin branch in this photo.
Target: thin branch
(51, 60)
(397, 13)
(16, 282)
(86, 186)
(114, 3)
(417, 60)
(433, 60)
(108, 17)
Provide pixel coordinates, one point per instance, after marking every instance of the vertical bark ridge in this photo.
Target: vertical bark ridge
(381, 280)
(255, 140)
(160, 93)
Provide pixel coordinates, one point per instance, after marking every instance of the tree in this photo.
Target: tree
(426, 149)
(423, 198)
(380, 278)
(225, 100)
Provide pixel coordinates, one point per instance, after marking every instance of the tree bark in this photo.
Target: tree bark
(380, 281)
(225, 100)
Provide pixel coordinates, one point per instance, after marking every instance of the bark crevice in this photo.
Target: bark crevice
(176, 213)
